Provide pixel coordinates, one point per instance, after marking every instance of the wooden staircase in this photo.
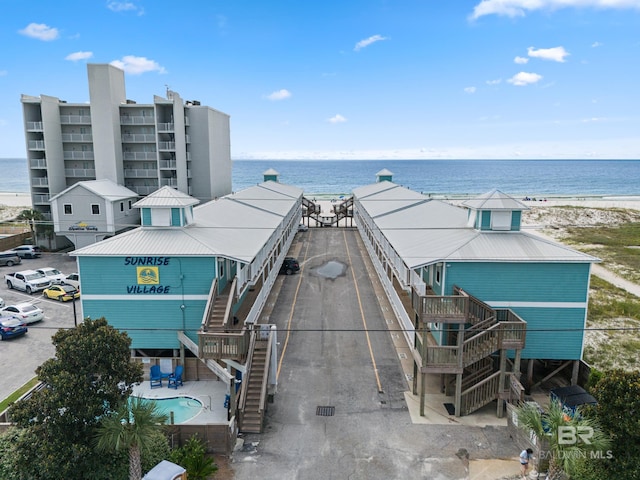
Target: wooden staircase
(254, 396)
(218, 310)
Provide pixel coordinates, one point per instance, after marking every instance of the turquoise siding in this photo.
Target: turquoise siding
(146, 216)
(150, 319)
(553, 333)
(176, 217)
(516, 217)
(486, 220)
(522, 282)
(525, 282)
(149, 323)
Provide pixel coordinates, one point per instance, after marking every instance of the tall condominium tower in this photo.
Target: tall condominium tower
(142, 146)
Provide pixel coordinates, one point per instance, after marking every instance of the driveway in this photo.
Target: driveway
(340, 411)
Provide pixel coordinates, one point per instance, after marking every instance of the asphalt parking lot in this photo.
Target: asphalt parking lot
(340, 409)
(21, 356)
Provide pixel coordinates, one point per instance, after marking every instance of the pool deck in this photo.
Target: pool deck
(210, 393)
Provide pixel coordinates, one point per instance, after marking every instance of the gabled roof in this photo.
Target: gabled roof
(104, 188)
(424, 231)
(382, 172)
(495, 200)
(167, 197)
(236, 226)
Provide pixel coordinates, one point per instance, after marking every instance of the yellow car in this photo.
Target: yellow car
(64, 293)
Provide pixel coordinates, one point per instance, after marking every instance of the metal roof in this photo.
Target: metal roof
(427, 231)
(166, 197)
(495, 200)
(104, 188)
(229, 227)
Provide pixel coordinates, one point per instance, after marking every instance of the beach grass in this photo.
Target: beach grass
(613, 321)
(617, 245)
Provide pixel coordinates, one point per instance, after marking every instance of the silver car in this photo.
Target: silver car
(27, 251)
(9, 258)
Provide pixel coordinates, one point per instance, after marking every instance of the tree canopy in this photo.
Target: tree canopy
(90, 376)
(618, 412)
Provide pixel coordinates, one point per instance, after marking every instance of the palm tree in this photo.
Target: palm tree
(31, 216)
(565, 452)
(130, 427)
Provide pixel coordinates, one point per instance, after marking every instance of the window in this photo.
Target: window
(122, 206)
(68, 210)
(129, 204)
(501, 220)
(438, 273)
(95, 209)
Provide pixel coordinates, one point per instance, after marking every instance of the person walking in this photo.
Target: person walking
(525, 456)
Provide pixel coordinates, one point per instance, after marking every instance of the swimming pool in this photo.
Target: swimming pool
(183, 408)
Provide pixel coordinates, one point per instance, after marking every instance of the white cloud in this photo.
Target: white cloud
(40, 31)
(519, 8)
(74, 57)
(521, 60)
(138, 65)
(337, 119)
(368, 41)
(125, 7)
(593, 120)
(557, 54)
(497, 81)
(524, 78)
(279, 95)
(470, 90)
(596, 44)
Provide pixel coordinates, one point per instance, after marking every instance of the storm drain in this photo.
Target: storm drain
(325, 411)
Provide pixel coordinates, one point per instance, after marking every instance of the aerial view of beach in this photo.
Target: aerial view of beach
(362, 239)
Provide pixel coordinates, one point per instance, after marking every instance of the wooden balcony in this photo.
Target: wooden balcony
(214, 345)
(440, 309)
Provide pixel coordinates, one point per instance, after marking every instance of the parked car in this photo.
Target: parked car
(64, 293)
(289, 265)
(1, 303)
(53, 274)
(73, 279)
(28, 281)
(9, 258)
(11, 327)
(27, 251)
(302, 227)
(25, 312)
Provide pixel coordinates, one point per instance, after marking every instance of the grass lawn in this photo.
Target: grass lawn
(18, 393)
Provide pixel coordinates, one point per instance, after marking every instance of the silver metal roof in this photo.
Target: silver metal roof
(427, 231)
(229, 227)
(495, 200)
(104, 188)
(166, 197)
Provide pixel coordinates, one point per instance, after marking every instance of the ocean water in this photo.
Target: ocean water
(520, 178)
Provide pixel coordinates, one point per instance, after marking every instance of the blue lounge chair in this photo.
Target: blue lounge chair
(175, 379)
(155, 376)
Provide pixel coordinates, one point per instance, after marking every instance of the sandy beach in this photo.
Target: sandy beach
(11, 204)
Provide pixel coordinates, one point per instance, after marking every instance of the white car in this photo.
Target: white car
(53, 274)
(72, 279)
(27, 312)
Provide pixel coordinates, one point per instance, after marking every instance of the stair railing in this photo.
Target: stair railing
(211, 301)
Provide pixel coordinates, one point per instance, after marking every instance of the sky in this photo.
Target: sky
(350, 79)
